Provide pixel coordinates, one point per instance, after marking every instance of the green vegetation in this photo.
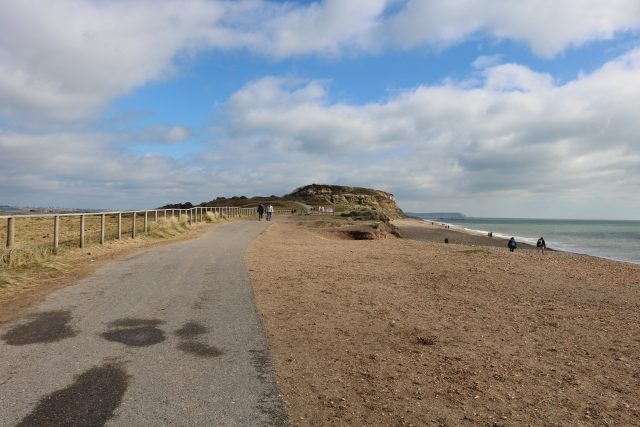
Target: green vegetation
(367, 214)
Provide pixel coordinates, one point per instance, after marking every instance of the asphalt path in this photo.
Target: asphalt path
(169, 336)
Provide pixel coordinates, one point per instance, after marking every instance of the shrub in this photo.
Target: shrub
(214, 217)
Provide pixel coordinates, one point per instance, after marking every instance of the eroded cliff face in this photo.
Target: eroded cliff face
(348, 198)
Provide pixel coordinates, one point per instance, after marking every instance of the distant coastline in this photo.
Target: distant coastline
(437, 215)
(29, 210)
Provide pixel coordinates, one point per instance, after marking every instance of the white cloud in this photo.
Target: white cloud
(516, 77)
(518, 135)
(90, 170)
(176, 134)
(553, 149)
(548, 26)
(330, 28)
(65, 60)
(486, 61)
(515, 134)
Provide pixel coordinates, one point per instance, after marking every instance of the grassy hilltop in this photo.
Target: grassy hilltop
(356, 202)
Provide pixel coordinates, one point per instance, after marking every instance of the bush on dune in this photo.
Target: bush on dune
(366, 214)
(169, 227)
(213, 217)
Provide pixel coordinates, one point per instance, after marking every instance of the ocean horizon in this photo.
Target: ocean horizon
(611, 239)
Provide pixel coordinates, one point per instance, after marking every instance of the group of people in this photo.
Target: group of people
(540, 244)
(262, 210)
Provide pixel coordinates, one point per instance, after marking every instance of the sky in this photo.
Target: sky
(522, 108)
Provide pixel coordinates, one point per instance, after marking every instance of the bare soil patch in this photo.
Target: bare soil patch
(418, 332)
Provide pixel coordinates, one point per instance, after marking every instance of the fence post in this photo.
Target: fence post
(133, 228)
(190, 216)
(11, 231)
(156, 216)
(119, 225)
(81, 231)
(56, 231)
(146, 221)
(103, 218)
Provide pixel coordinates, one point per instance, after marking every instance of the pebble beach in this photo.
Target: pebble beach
(414, 331)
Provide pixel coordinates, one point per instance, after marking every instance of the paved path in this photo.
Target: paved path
(169, 336)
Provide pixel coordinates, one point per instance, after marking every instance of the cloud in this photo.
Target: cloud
(509, 77)
(486, 61)
(65, 60)
(517, 135)
(176, 134)
(89, 170)
(508, 133)
(517, 142)
(327, 28)
(153, 134)
(548, 26)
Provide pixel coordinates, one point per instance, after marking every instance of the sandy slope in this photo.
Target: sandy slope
(416, 332)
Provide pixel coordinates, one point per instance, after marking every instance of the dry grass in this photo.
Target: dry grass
(214, 217)
(38, 231)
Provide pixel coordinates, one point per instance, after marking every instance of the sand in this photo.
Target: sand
(417, 332)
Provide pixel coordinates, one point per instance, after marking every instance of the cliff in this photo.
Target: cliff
(346, 199)
(354, 202)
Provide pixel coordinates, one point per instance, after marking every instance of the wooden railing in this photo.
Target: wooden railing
(196, 214)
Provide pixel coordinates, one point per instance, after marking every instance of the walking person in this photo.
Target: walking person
(541, 244)
(512, 244)
(260, 211)
(269, 212)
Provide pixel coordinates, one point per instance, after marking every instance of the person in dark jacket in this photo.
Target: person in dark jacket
(512, 244)
(260, 211)
(541, 244)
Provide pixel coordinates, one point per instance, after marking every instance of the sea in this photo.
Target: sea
(617, 240)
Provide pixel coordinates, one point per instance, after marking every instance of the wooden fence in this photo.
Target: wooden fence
(139, 221)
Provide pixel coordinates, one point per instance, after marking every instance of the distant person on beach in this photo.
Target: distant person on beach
(512, 244)
(260, 211)
(269, 212)
(541, 244)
